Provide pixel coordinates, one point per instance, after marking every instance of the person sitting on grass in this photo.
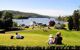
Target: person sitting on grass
(50, 41)
(58, 38)
(19, 36)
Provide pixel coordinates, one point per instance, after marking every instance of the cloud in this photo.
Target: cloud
(49, 12)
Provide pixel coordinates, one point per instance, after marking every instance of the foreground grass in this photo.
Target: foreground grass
(38, 37)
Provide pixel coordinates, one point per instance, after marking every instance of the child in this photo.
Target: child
(50, 39)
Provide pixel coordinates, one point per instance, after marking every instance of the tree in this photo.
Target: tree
(1, 14)
(1, 21)
(15, 24)
(70, 23)
(59, 18)
(76, 19)
(51, 23)
(8, 20)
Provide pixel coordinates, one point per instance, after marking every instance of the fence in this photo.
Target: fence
(40, 48)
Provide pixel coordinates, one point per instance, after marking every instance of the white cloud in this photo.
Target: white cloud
(50, 12)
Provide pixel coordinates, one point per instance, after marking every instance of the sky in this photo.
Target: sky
(43, 7)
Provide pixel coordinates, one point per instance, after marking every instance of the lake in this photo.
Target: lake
(37, 20)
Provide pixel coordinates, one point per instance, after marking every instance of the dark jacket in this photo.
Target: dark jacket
(58, 40)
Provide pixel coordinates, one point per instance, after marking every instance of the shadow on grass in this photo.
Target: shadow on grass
(40, 48)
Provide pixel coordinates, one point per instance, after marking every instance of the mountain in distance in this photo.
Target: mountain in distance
(25, 15)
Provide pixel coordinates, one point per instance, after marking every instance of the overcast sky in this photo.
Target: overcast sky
(44, 7)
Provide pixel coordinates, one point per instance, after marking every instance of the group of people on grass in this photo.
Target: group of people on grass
(55, 40)
(17, 36)
(52, 40)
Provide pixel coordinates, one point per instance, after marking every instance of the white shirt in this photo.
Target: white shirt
(18, 36)
(50, 40)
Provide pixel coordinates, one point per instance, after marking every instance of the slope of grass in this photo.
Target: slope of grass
(38, 37)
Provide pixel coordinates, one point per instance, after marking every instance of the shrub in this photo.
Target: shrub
(51, 23)
(40, 48)
(26, 26)
(15, 24)
(22, 25)
(60, 26)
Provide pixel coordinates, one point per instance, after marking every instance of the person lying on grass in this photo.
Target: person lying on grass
(17, 36)
(56, 40)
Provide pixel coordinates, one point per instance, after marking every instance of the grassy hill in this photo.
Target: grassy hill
(18, 14)
(38, 37)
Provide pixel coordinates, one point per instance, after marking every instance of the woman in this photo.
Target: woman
(58, 38)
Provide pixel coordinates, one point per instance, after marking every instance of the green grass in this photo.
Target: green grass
(38, 37)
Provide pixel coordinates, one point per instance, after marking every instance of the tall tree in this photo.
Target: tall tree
(1, 14)
(8, 20)
(70, 22)
(76, 19)
(1, 21)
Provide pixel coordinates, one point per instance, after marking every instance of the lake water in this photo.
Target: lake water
(37, 20)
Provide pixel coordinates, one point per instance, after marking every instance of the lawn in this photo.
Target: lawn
(38, 37)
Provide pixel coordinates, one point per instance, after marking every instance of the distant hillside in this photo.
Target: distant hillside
(20, 15)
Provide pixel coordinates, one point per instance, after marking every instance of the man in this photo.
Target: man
(18, 36)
